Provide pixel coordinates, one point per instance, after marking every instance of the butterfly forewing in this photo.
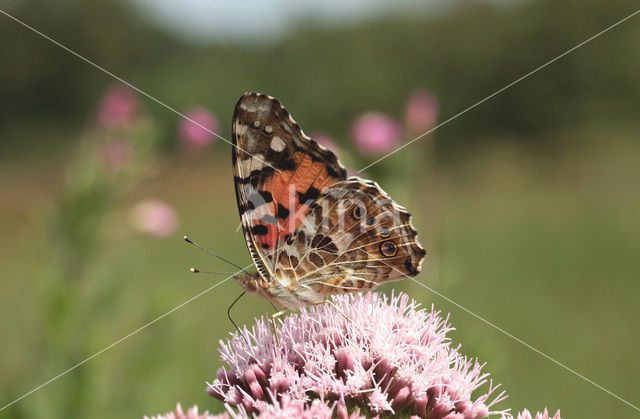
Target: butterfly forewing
(278, 172)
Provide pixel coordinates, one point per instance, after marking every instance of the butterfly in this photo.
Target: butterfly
(311, 230)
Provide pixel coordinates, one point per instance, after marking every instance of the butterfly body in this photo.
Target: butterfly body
(282, 291)
(310, 229)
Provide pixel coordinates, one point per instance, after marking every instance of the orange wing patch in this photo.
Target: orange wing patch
(294, 192)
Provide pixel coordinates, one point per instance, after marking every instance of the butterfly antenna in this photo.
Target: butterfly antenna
(188, 240)
(198, 271)
(234, 323)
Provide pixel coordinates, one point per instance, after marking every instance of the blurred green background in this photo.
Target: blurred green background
(528, 204)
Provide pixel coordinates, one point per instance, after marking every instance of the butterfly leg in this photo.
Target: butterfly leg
(273, 322)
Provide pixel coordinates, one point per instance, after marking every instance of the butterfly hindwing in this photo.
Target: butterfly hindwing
(278, 172)
(353, 238)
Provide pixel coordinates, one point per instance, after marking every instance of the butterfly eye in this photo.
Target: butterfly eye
(388, 249)
(359, 212)
(384, 232)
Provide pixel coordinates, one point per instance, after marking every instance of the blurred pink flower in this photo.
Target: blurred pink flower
(544, 415)
(117, 154)
(421, 111)
(376, 133)
(154, 217)
(325, 140)
(198, 133)
(119, 106)
(191, 414)
(389, 358)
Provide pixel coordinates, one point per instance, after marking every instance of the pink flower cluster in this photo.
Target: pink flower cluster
(118, 107)
(118, 110)
(389, 357)
(421, 112)
(376, 133)
(154, 217)
(198, 128)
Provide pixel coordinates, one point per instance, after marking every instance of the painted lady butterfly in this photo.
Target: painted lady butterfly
(311, 231)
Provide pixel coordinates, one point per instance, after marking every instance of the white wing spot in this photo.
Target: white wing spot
(256, 123)
(252, 106)
(268, 129)
(277, 144)
(245, 166)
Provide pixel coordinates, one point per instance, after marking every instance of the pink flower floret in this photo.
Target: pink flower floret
(525, 414)
(192, 413)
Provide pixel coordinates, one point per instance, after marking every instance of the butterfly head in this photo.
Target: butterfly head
(251, 282)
